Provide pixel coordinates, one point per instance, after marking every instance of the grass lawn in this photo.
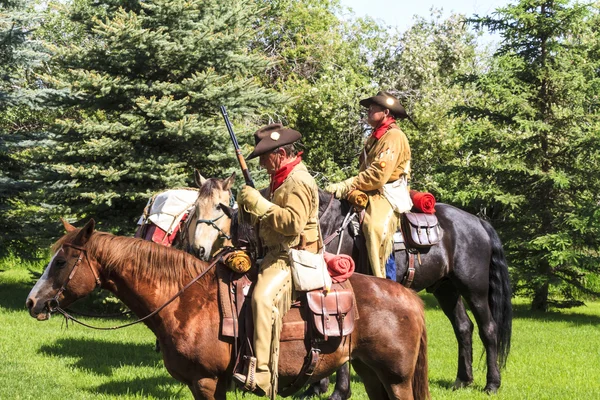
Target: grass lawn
(554, 355)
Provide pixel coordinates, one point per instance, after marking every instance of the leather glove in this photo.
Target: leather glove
(253, 202)
(358, 198)
(340, 189)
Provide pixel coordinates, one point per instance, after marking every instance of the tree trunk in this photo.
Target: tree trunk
(540, 298)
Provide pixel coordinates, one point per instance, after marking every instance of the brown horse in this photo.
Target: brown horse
(387, 347)
(468, 264)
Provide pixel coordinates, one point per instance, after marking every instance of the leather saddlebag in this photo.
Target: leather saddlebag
(421, 230)
(332, 314)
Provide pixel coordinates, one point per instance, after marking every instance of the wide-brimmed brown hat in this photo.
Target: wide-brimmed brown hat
(386, 100)
(272, 136)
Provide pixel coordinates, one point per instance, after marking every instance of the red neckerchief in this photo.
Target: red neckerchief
(383, 127)
(278, 177)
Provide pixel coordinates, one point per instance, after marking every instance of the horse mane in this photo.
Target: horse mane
(144, 259)
(325, 198)
(242, 232)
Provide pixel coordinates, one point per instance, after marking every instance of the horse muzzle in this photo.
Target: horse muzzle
(41, 313)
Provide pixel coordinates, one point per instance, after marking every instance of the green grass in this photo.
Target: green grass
(554, 355)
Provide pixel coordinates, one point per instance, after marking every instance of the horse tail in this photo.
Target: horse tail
(499, 296)
(420, 381)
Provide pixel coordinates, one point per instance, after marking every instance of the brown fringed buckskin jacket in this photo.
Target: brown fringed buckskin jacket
(296, 211)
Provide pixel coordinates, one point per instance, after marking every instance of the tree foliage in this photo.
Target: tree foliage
(422, 68)
(21, 121)
(530, 150)
(140, 84)
(324, 65)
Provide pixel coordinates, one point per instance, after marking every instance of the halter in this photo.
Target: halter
(211, 222)
(53, 303)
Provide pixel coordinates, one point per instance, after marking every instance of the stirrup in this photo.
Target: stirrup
(248, 380)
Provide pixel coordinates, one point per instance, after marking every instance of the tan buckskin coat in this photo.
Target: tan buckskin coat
(386, 160)
(295, 211)
(382, 161)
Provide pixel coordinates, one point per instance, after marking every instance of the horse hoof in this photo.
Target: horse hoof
(308, 394)
(491, 389)
(459, 384)
(337, 395)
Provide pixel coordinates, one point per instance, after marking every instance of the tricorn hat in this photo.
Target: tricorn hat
(272, 136)
(386, 100)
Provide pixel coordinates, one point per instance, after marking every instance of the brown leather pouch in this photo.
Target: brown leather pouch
(421, 230)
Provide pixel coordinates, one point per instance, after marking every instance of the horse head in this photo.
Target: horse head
(208, 229)
(69, 275)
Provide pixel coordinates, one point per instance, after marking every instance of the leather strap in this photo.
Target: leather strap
(310, 364)
(410, 273)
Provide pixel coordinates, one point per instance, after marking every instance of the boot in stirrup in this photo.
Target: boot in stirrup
(247, 380)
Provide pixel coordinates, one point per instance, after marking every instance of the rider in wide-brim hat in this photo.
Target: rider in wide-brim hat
(272, 137)
(381, 185)
(386, 100)
(286, 217)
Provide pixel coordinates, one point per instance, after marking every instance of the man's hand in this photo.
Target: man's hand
(340, 189)
(253, 202)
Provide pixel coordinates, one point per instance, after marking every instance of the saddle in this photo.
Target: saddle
(315, 318)
(165, 214)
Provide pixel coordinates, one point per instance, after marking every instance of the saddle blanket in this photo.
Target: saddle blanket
(166, 209)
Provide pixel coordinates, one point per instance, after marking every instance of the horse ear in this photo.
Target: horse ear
(85, 233)
(67, 225)
(200, 180)
(229, 211)
(228, 183)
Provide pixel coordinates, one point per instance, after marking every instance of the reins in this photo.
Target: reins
(339, 231)
(57, 308)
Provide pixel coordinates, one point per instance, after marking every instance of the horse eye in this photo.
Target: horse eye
(219, 208)
(60, 263)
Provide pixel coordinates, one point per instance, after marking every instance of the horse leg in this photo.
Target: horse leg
(316, 389)
(373, 386)
(342, 389)
(452, 305)
(205, 389)
(488, 334)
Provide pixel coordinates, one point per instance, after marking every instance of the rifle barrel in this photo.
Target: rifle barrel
(238, 152)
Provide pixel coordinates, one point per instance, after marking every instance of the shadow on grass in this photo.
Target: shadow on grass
(13, 295)
(157, 387)
(102, 357)
(575, 318)
(429, 300)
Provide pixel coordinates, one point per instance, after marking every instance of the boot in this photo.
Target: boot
(247, 379)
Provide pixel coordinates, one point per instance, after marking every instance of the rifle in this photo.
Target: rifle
(238, 152)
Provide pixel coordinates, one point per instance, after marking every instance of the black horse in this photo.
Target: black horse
(467, 264)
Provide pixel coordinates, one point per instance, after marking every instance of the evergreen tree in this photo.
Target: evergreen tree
(531, 157)
(20, 122)
(141, 84)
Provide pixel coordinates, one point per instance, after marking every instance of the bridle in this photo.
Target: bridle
(53, 304)
(211, 222)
